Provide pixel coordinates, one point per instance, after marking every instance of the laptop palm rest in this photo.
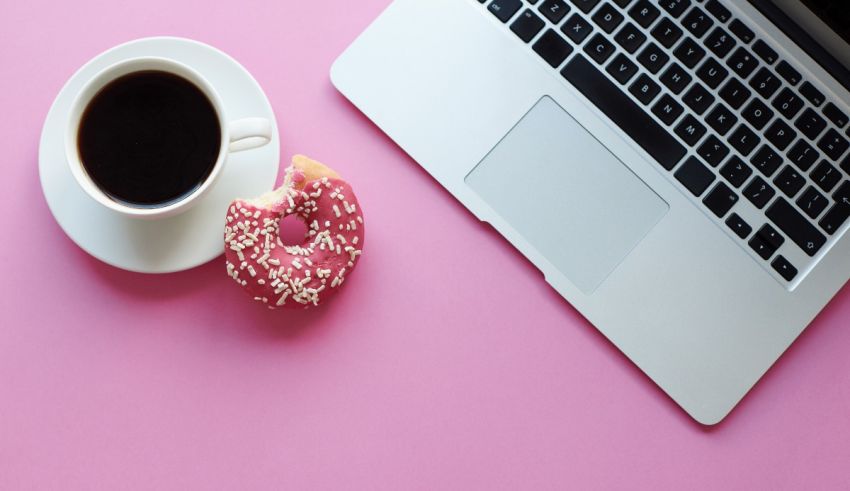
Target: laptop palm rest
(566, 195)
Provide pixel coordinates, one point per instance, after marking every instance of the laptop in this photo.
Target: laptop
(678, 170)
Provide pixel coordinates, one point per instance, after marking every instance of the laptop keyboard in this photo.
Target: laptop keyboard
(737, 127)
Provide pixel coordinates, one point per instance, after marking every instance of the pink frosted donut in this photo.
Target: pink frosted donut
(295, 275)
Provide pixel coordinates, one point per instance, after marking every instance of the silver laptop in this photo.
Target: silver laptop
(677, 169)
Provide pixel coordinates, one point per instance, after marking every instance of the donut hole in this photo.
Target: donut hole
(293, 230)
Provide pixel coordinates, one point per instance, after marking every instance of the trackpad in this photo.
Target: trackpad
(567, 195)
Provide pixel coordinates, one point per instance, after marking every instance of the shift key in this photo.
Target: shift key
(796, 226)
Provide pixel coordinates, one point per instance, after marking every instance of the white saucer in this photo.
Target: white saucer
(183, 241)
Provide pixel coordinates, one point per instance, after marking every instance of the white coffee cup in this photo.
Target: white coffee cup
(236, 136)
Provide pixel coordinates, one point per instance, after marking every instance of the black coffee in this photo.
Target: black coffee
(149, 139)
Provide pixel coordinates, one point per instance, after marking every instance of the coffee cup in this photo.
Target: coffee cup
(147, 137)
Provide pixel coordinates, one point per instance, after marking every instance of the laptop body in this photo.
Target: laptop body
(688, 239)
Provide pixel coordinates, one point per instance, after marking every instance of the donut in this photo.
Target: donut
(295, 275)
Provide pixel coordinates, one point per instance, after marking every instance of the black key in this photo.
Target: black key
(719, 42)
(585, 5)
(761, 247)
(842, 194)
(796, 226)
(770, 235)
(720, 200)
(789, 181)
(826, 176)
(675, 7)
(834, 114)
(835, 218)
(765, 83)
(607, 18)
(599, 48)
(765, 52)
(624, 112)
(833, 144)
(743, 32)
(734, 93)
(780, 134)
(757, 113)
(721, 119)
(712, 73)
(742, 62)
(788, 103)
(741, 228)
(644, 89)
(622, 68)
(803, 155)
(697, 22)
(630, 38)
(643, 13)
(698, 99)
(784, 268)
(845, 165)
(504, 9)
(713, 151)
(736, 171)
(811, 93)
(653, 58)
(623, 3)
(690, 130)
(786, 71)
(689, 52)
(695, 176)
(766, 160)
(759, 192)
(744, 140)
(812, 202)
(576, 28)
(667, 109)
(552, 48)
(527, 25)
(666, 32)
(554, 10)
(675, 78)
(719, 12)
(810, 123)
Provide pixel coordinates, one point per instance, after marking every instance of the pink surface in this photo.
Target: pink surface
(412, 378)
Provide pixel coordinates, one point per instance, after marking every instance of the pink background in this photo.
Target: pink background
(446, 363)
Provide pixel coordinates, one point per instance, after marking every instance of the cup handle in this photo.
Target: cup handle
(248, 133)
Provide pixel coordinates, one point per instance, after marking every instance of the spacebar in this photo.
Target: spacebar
(623, 111)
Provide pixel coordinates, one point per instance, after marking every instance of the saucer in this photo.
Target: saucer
(183, 241)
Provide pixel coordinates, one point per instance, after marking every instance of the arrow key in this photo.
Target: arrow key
(784, 268)
(835, 218)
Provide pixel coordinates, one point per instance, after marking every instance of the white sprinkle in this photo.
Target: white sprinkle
(336, 211)
(282, 299)
(296, 263)
(251, 271)
(355, 240)
(274, 261)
